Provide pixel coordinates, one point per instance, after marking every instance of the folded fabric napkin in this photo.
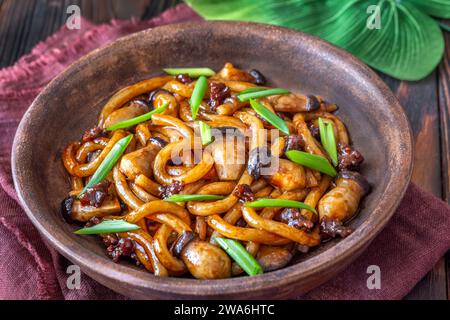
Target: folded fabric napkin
(414, 240)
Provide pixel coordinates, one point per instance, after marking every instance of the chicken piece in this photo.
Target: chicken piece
(341, 202)
(139, 161)
(130, 111)
(288, 176)
(206, 261)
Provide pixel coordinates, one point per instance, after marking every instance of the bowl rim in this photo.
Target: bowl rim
(357, 241)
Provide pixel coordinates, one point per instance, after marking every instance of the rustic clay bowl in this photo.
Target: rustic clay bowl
(72, 102)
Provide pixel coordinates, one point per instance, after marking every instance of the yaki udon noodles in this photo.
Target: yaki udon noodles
(213, 174)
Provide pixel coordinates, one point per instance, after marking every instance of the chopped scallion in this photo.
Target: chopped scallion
(192, 72)
(108, 163)
(242, 257)
(261, 93)
(274, 203)
(269, 116)
(197, 95)
(134, 121)
(312, 161)
(193, 197)
(108, 226)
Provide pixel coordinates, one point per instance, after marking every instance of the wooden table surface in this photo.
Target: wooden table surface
(23, 23)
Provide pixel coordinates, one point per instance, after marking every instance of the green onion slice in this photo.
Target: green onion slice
(108, 163)
(193, 197)
(108, 226)
(254, 89)
(261, 93)
(197, 95)
(192, 72)
(269, 116)
(328, 140)
(275, 203)
(205, 133)
(244, 259)
(134, 121)
(312, 161)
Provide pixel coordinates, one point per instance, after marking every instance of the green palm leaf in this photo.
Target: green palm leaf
(435, 8)
(408, 45)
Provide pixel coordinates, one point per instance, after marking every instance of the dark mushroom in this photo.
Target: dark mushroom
(273, 258)
(181, 242)
(258, 159)
(158, 141)
(294, 103)
(259, 78)
(66, 208)
(154, 93)
(206, 261)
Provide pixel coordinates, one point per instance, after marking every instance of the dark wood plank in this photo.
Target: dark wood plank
(419, 100)
(23, 25)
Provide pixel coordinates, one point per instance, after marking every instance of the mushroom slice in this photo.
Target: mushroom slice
(229, 157)
(273, 258)
(341, 202)
(206, 261)
(230, 72)
(110, 206)
(139, 161)
(294, 102)
(133, 110)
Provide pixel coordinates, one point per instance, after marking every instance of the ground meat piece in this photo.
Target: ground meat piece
(314, 130)
(259, 78)
(123, 248)
(349, 158)
(183, 78)
(244, 193)
(218, 93)
(95, 195)
(167, 191)
(293, 142)
(292, 217)
(330, 228)
(181, 242)
(93, 133)
(109, 239)
(92, 222)
(66, 208)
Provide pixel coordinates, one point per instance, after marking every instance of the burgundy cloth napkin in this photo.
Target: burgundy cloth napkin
(414, 240)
